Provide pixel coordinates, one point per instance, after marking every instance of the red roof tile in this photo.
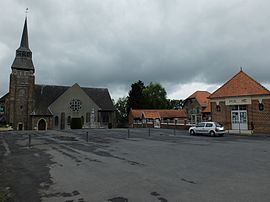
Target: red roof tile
(158, 113)
(201, 97)
(240, 85)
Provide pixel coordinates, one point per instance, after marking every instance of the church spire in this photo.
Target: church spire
(24, 40)
(23, 59)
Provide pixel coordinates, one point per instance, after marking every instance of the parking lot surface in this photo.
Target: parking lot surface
(136, 165)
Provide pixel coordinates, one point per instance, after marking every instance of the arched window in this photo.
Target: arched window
(63, 120)
(56, 121)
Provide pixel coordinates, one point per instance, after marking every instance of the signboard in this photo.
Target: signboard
(238, 101)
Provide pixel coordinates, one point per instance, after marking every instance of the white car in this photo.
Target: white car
(210, 128)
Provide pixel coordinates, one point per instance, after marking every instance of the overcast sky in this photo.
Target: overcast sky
(184, 45)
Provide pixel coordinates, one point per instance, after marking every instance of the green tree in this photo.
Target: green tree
(135, 99)
(121, 110)
(175, 104)
(155, 97)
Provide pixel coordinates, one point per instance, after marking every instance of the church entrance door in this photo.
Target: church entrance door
(42, 125)
(20, 126)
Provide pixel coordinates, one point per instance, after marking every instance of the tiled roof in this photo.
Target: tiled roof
(46, 94)
(207, 109)
(240, 85)
(201, 97)
(158, 113)
(151, 115)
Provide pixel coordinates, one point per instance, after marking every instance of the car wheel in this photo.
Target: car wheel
(212, 133)
(192, 132)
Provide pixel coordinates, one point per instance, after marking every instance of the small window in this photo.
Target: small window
(209, 125)
(261, 106)
(218, 109)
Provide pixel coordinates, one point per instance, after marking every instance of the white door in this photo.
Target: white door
(239, 120)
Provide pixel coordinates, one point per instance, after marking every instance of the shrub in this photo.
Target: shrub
(110, 125)
(76, 123)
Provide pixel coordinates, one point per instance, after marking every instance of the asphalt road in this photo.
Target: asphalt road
(117, 166)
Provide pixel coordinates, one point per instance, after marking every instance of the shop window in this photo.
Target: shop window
(218, 109)
(261, 106)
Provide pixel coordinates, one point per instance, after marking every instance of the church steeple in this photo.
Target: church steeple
(24, 40)
(23, 59)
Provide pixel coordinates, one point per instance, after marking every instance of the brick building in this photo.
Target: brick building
(157, 118)
(242, 104)
(30, 106)
(198, 107)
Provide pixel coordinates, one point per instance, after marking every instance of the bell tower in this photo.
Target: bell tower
(21, 86)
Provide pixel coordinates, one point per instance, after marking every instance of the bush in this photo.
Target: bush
(76, 123)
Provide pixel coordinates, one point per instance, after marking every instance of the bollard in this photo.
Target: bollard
(149, 132)
(86, 136)
(29, 140)
(128, 133)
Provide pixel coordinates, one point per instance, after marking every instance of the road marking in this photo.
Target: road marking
(6, 147)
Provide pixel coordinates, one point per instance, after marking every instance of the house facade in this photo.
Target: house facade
(157, 118)
(29, 106)
(198, 107)
(242, 104)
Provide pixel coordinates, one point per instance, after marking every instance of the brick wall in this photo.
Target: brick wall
(223, 116)
(259, 120)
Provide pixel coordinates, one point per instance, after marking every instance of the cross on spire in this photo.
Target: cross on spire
(26, 12)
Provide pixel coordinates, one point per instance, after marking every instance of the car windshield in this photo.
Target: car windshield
(218, 124)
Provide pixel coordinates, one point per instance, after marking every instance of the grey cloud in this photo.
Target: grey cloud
(109, 43)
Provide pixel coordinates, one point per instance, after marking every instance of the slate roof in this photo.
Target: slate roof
(158, 113)
(23, 62)
(240, 84)
(45, 95)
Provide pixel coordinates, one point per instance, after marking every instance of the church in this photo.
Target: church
(29, 106)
